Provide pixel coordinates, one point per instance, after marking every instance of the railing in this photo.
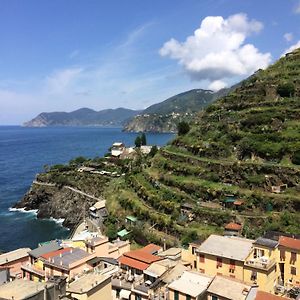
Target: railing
(260, 263)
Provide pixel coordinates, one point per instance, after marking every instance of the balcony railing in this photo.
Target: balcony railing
(261, 263)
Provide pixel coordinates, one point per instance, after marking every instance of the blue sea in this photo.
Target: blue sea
(24, 152)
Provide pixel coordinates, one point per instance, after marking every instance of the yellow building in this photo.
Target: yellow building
(289, 261)
(260, 266)
(91, 286)
(189, 255)
(222, 255)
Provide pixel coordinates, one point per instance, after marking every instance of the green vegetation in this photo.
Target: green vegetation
(183, 128)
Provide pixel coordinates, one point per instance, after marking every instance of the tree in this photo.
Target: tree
(138, 142)
(183, 128)
(153, 151)
(286, 89)
(143, 139)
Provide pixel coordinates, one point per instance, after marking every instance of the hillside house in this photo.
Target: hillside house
(117, 149)
(233, 229)
(98, 212)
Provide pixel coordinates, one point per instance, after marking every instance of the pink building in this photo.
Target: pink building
(14, 260)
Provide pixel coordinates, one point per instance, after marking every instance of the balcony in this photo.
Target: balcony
(262, 263)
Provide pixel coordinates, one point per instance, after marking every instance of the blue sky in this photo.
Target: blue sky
(61, 55)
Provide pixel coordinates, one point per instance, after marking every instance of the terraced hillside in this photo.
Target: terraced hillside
(243, 149)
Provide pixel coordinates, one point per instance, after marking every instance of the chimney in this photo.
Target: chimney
(60, 254)
(71, 251)
(61, 263)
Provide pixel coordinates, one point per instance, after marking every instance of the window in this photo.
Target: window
(188, 297)
(253, 275)
(193, 250)
(195, 264)
(282, 254)
(214, 298)
(293, 271)
(202, 258)
(293, 258)
(138, 297)
(232, 266)
(176, 295)
(219, 262)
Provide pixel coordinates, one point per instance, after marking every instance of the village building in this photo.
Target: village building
(227, 288)
(260, 266)
(171, 253)
(221, 255)
(134, 262)
(191, 285)
(90, 286)
(69, 263)
(289, 261)
(4, 275)
(28, 290)
(117, 149)
(267, 296)
(14, 261)
(233, 229)
(98, 213)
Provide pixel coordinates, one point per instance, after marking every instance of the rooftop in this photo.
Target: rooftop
(228, 247)
(157, 269)
(135, 264)
(174, 273)
(46, 248)
(289, 242)
(152, 248)
(229, 288)
(86, 283)
(266, 243)
(142, 256)
(13, 255)
(170, 252)
(266, 296)
(100, 204)
(191, 283)
(123, 232)
(20, 289)
(66, 259)
(233, 226)
(97, 240)
(55, 253)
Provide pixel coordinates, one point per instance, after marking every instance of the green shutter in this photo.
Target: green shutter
(176, 295)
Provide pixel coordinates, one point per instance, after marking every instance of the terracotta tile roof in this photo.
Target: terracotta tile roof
(151, 248)
(142, 256)
(266, 296)
(55, 253)
(238, 202)
(233, 226)
(133, 263)
(289, 242)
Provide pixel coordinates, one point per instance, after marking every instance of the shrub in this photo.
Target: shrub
(296, 158)
(286, 89)
(183, 128)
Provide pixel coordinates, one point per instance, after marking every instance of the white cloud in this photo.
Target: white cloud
(217, 50)
(288, 36)
(59, 81)
(297, 8)
(292, 48)
(217, 85)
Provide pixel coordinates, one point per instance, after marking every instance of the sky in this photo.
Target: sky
(62, 55)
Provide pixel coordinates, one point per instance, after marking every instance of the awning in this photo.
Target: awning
(125, 294)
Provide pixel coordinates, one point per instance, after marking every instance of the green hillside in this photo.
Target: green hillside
(164, 116)
(239, 148)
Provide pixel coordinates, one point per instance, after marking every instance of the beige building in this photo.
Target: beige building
(190, 286)
(91, 286)
(224, 288)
